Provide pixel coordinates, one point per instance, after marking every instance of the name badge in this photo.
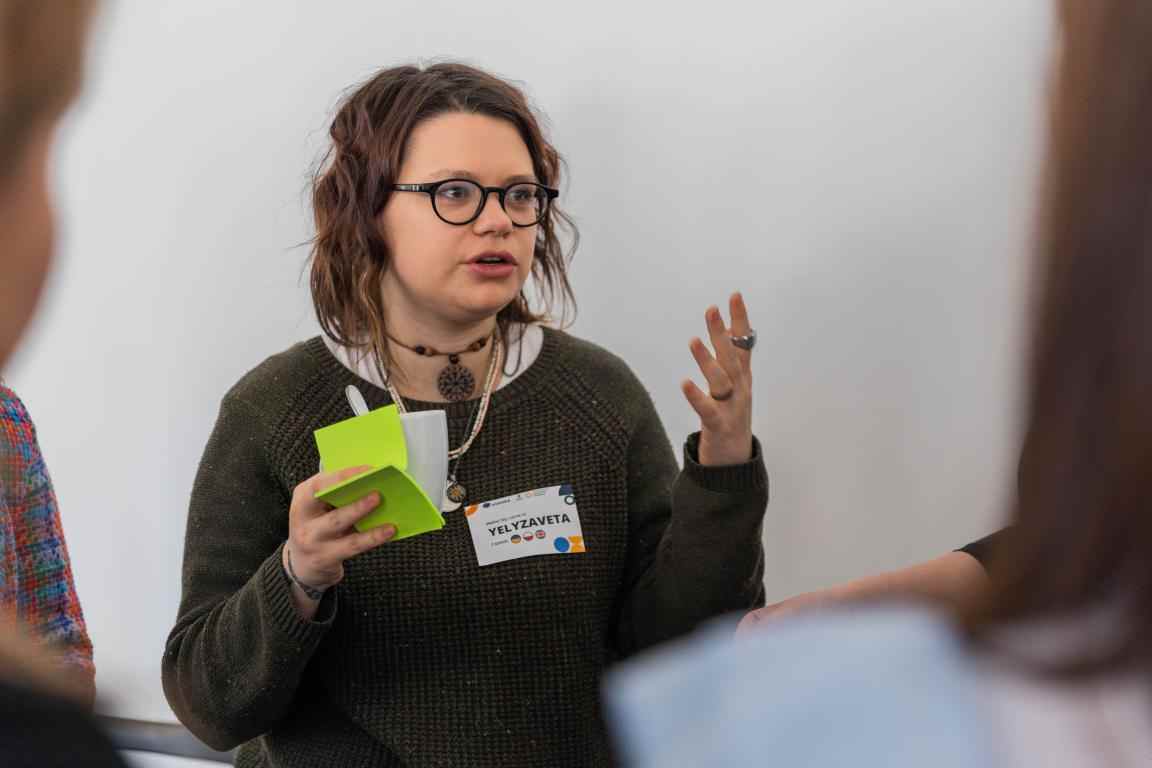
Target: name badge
(540, 522)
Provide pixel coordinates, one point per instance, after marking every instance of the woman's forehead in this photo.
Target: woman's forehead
(473, 146)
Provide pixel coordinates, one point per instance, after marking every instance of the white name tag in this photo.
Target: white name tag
(540, 522)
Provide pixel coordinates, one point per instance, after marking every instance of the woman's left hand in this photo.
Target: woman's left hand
(725, 411)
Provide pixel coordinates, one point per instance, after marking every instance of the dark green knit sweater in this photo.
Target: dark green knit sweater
(420, 657)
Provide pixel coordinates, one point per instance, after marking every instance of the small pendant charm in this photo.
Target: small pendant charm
(456, 383)
(454, 496)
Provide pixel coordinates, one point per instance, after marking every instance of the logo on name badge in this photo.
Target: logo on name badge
(515, 538)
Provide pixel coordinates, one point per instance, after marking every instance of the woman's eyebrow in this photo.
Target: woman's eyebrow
(459, 173)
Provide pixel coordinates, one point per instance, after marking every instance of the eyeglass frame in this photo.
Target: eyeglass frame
(430, 188)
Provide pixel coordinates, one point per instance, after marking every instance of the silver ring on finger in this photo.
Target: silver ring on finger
(745, 342)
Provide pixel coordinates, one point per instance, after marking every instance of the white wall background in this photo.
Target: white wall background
(861, 169)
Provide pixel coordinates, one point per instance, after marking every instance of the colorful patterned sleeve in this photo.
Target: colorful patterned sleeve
(41, 573)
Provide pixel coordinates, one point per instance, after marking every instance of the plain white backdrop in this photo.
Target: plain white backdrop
(862, 169)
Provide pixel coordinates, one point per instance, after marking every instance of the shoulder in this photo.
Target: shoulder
(12, 411)
(596, 368)
(270, 387)
(278, 403)
(878, 686)
(20, 457)
(598, 392)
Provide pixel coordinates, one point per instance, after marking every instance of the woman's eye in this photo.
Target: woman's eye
(457, 192)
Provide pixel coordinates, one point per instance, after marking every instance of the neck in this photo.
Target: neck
(415, 375)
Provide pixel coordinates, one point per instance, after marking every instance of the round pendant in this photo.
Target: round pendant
(456, 383)
(454, 496)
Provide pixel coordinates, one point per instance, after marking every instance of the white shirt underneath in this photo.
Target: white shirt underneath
(523, 349)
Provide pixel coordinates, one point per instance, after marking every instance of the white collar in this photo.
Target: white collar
(524, 344)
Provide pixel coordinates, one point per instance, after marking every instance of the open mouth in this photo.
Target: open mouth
(494, 259)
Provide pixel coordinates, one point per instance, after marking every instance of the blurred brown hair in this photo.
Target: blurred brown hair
(41, 61)
(369, 135)
(1083, 537)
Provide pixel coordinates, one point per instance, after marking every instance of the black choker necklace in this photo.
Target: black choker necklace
(455, 381)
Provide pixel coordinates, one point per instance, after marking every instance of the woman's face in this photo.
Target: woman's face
(26, 239)
(435, 274)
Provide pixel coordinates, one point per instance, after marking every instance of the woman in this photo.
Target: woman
(434, 208)
(1053, 666)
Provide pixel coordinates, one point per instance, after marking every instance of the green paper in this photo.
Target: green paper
(403, 503)
(375, 439)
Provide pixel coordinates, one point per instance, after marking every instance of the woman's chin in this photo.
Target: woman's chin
(486, 302)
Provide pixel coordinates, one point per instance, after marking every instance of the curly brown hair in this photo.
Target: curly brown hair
(353, 182)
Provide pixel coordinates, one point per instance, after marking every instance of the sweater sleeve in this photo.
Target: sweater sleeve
(982, 549)
(694, 549)
(47, 599)
(52, 604)
(238, 651)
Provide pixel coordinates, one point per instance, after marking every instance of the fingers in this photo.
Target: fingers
(322, 480)
(325, 542)
(706, 408)
(358, 543)
(339, 521)
(304, 501)
(740, 327)
(323, 537)
(721, 338)
(739, 314)
(720, 384)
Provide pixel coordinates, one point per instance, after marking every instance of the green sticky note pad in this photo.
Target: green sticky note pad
(403, 503)
(375, 439)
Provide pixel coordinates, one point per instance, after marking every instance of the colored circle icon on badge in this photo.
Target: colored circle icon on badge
(561, 544)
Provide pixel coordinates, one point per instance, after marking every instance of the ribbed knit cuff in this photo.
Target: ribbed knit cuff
(276, 594)
(734, 478)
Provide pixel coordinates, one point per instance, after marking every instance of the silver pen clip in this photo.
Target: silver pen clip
(356, 400)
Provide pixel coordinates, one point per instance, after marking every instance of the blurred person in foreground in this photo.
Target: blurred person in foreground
(1052, 665)
(42, 718)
